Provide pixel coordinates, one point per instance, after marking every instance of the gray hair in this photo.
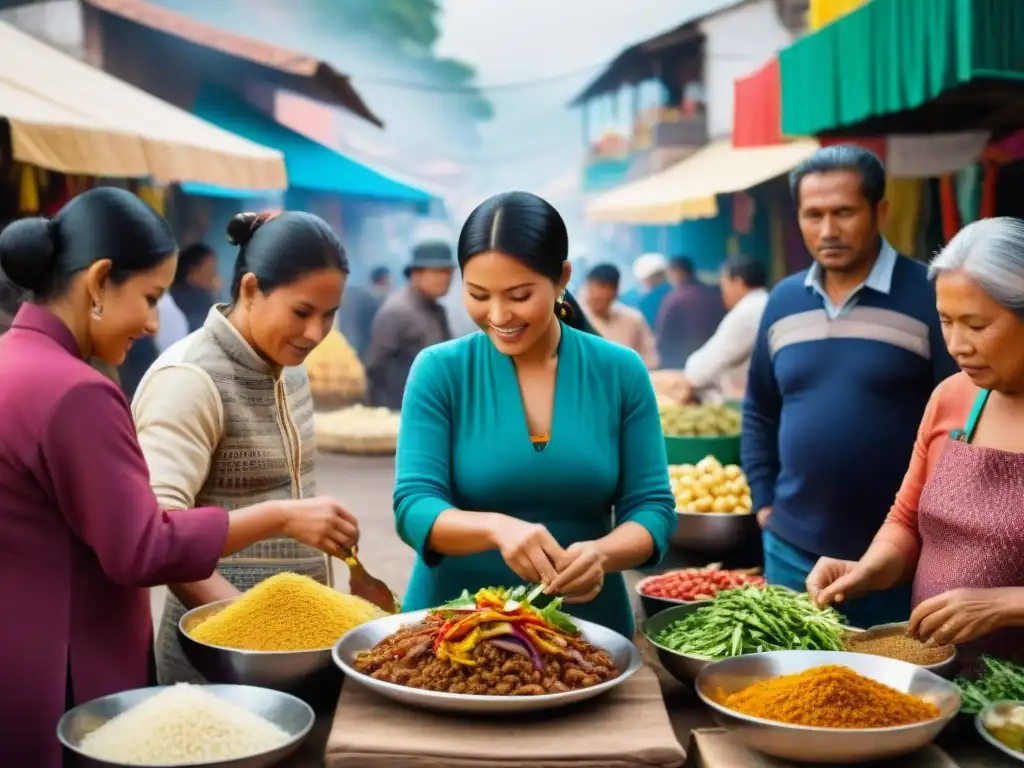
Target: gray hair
(991, 252)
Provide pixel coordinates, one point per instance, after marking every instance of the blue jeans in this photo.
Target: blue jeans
(789, 566)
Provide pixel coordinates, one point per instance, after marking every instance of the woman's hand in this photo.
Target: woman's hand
(833, 581)
(529, 549)
(322, 523)
(580, 573)
(961, 615)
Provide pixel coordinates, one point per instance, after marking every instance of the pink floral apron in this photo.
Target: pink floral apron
(971, 522)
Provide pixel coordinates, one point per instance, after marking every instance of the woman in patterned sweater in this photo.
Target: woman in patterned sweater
(225, 416)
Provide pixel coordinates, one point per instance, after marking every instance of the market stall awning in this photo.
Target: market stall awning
(228, 54)
(900, 66)
(688, 189)
(69, 117)
(757, 108)
(311, 165)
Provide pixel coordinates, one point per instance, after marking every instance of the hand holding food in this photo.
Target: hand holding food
(528, 549)
(960, 615)
(580, 573)
(707, 486)
(322, 523)
(833, 581)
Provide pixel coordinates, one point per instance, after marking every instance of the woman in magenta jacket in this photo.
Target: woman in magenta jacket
(81, 533)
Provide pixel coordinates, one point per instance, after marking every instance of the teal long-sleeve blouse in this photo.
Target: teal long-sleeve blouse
(464, 443)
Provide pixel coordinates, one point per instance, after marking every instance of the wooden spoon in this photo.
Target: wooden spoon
(369, 588)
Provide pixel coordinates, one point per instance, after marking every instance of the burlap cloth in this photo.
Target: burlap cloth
(625, 728)
(715, 748)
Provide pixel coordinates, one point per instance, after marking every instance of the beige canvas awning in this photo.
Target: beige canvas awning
(687, 190)
(70, 117)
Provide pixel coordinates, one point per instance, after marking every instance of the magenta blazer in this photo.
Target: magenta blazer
(81, 537)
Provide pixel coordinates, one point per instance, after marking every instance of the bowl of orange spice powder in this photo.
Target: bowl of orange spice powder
(828, 706)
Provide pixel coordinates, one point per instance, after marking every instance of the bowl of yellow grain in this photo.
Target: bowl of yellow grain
(278, 635)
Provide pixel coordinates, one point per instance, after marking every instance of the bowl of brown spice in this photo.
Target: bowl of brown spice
(891, 641)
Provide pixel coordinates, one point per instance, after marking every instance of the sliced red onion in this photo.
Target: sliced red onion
(512, 645)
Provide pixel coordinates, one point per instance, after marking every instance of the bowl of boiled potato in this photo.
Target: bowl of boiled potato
(713, 505)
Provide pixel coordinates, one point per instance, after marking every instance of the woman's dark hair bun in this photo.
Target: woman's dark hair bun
(27, 253)
(241, 227)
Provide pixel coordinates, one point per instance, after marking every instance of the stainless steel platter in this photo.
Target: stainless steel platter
(366, 636)
(287, 712)
(806, 744)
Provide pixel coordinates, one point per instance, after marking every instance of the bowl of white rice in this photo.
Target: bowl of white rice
(186, 726)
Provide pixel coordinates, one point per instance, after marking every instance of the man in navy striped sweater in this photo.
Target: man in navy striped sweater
(847, 355)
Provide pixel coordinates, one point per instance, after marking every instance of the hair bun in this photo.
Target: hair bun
(243, 226)
(27, 250)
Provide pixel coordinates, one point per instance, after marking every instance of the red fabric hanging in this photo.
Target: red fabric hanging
(757, 111)
(988, 190)
(950, 207)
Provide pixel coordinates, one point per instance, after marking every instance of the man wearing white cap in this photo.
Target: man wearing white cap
(652, 285)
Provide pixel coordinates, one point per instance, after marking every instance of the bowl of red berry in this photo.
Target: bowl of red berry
(690, 586)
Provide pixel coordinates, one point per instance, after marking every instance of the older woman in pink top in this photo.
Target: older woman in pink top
(957, 527)
(81, 532)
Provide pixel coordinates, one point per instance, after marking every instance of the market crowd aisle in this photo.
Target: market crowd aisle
(364, 485)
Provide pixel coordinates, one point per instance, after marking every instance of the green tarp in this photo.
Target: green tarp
(894, 55)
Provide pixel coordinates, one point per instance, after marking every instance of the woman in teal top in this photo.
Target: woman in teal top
(530, 452)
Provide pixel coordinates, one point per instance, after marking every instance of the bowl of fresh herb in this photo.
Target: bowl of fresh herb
(739, 622)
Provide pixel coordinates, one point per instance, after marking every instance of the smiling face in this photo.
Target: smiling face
(513, 304)
(287, 323)
(838, 223)
(128, 310)
(985, 338)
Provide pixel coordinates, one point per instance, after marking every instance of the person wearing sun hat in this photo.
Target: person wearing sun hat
(410, 320)
(652, 286)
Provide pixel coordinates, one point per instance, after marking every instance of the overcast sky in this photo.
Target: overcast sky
(515, 40)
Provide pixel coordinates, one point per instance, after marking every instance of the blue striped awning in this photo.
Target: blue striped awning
(310, 165)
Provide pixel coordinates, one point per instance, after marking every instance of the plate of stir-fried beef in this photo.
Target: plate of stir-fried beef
(492, 651)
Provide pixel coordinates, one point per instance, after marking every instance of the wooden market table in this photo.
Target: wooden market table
(688, 714)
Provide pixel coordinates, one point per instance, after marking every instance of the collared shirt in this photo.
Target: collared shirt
(626, 326)
(723, 362)
(406, 323)
(878, 279)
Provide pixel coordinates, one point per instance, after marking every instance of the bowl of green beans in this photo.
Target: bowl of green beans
(741, 621)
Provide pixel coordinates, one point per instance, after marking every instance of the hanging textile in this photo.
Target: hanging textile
(990, 185)
(154, 197)
(821, 13)
(757, 116)
(950, 207)
(905, 198)
(28, 190)
(922, 156)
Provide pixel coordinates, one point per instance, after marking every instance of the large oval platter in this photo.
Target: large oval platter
(366, 636)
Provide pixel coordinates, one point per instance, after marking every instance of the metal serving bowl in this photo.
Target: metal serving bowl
(290, 714)
(654, 605)
(826, 745)
(945, 668)
(713, 532)
(979, 723)
(682, 666)
(366, 636)
(303, 673)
